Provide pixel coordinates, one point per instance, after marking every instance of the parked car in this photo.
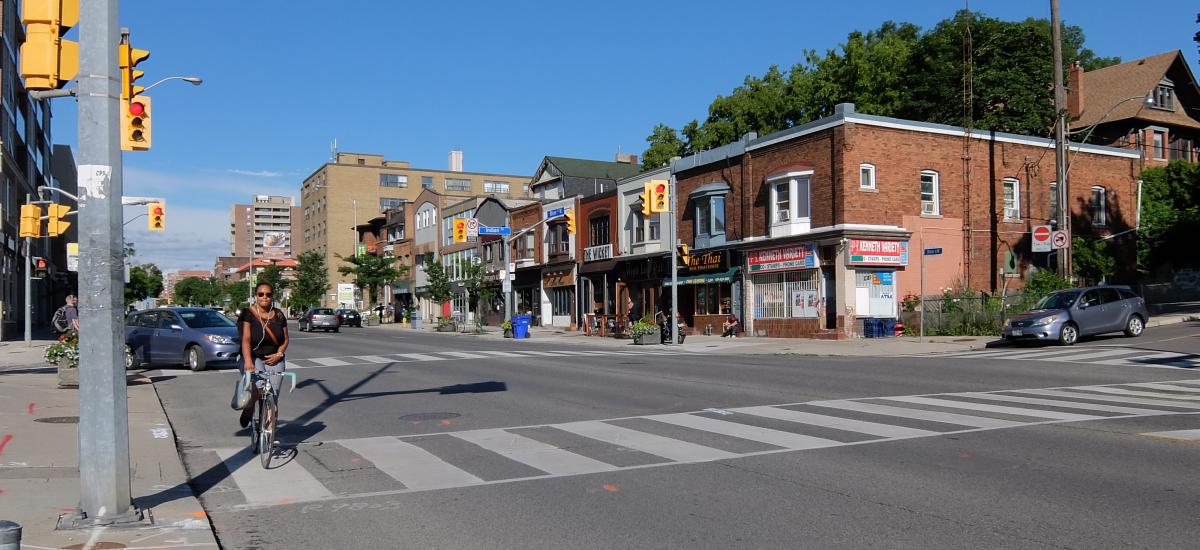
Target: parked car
(194, 337)
(319, 318)
(1066, 315)
(349, 318)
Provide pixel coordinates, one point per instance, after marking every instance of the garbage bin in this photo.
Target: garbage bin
(520, 325)
(888, 330)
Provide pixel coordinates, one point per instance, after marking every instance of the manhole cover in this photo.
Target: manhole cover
(426, 417)
(59, 420)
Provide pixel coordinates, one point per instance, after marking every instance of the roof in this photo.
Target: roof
(1103, 88)
(285, 263)
(599, 169)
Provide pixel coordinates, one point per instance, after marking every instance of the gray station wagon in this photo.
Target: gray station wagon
(1066, 315)
(322, 318)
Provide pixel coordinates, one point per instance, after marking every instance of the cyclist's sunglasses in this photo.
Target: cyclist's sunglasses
(265, 294)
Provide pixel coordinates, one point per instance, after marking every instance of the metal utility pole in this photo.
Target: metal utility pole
(674, 320)
(506, 282)
(103, 413)
(1060, 140)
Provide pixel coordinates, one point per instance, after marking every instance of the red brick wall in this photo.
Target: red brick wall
(596, 207)
(522, 218)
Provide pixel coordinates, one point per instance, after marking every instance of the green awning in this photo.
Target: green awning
(705, 278)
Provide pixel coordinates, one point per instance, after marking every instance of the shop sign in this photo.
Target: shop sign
(601, 252)
(551, 279)
(800, 256)
(706, 261)
(884, 277)
(875, 252)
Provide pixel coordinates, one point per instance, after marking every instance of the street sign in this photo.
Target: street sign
(556, 213)
(485, 230)
(472, 227)
(1061, 239)
(933, 252)
(1041, 238)
(72, 256)
(506, 285)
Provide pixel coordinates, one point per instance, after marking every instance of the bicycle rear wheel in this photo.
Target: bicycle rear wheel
(255, 426)
(266, 438)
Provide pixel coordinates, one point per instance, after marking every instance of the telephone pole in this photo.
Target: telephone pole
(1060, 140)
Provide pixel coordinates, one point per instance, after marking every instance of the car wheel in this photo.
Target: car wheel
(128, 357)
(1134, 326)
(194, 357)
(1068, 335)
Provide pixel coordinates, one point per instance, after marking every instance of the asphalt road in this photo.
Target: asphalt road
(402, 440)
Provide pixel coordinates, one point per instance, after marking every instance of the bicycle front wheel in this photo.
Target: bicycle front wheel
(266, 437)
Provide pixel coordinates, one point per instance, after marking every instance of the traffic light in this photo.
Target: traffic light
(660, 200)
(47, 61)
(129, 57)
(685, 255)
(157, 213)
(40, 270)
(460, 230)
(135, 124)
(31, 220)
(570, 215)
(56, 225)
(647, 195)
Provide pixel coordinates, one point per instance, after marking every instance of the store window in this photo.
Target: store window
(875, 293)
(787, 295)
(713, 299)
(562, 301)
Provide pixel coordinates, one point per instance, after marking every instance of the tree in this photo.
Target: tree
(144, 281)
(235, 293)
(664, 144)
(479, 288)
(1091, 260)
(438, 284)
(195, 291)
(1170, 215)
(312, 281)
(371, 272)
(273, 275)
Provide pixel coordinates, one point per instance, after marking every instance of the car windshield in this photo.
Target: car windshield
(205, 319)
(1057, 300)
(322, 312)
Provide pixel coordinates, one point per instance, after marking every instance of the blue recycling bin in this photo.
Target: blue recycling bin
(871, 327)
(520, 325)
(888, 328)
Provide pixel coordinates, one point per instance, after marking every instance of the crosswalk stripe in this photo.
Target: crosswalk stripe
(787, 440)
(1168, 387)
(935, 416)
(1037, 413)
(1128, 399)
(1142, 360)
(860, 426)
(544, 353)
(373, 359)
(1082, 354)
(409, 464)
(544, 457)
(463, 354)
(672, 449)
(288, 482)
(506, 353)
(1047, 354)
(1134, 393)
(420, 356)
(1065, 404)
(328, 362)
(977, 353)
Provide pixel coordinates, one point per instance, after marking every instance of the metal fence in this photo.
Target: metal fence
(977, 315)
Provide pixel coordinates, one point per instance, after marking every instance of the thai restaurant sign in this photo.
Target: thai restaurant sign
(875, 252)
(800, 256)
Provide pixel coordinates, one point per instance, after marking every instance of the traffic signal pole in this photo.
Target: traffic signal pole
(28, 286)
(105, 494)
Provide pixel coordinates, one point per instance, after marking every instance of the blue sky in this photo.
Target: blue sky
(506, 82)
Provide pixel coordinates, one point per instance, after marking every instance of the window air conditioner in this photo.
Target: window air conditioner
(927, 207)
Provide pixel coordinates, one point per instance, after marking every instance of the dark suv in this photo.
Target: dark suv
(1065, 315)
(349, 318)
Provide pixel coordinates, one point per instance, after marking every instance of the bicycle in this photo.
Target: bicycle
(262, 424)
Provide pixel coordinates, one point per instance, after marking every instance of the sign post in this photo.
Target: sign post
(925, 254)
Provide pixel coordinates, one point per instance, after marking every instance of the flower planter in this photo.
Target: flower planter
(644, 339)
(68, 376)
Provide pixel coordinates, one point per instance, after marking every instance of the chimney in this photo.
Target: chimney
(1075, 91)
(456, 158)
(633, 160)
(627, 159)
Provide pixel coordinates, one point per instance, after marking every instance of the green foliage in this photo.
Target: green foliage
(371, 272)
(1091, 260)
(644, 327)
(195, 291)
(66, 349)
(896, 70)
(1170, 215)
(312, 281)
(438, 284)
(144, 281)
(273, 275)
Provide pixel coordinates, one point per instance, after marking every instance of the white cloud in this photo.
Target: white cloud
(193, 237)
(260, 173)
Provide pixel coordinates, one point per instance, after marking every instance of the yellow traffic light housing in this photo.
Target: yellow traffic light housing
(56, 225)
(31, 220)
(646, 198)
(157, 212)
(570, 215)
(128, 57)
(135, 124)
(460, 230)
(660, 197)
(685, 254)
(47, 61)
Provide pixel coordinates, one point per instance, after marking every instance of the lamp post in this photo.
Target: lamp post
(194, 80)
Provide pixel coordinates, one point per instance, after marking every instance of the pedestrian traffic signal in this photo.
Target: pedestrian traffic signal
(570, 215)
(40, 268)
(647, 196)
(135, 124)
(47, 61)
(157, 212)
(460, 230)
(31, 220)
(660, 200)
(128, 57)
(56, 225)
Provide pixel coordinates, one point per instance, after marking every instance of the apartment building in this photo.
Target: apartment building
(269, 224)
(357, 187)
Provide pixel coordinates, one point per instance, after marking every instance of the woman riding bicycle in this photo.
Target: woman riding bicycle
(263, 329)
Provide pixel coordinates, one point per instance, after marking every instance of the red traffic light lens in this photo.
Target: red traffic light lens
(660, 188)
(158, 211)
(136, 108)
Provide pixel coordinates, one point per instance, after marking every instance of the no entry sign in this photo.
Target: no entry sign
(1041, 238)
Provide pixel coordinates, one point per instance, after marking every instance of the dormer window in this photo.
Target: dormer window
(1164, 95)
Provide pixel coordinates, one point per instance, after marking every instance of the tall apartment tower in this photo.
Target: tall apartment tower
(270, 222)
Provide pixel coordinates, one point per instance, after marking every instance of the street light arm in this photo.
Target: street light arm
(1090, 128)
(194, 80)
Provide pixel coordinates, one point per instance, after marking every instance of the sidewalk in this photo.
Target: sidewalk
(39, 464)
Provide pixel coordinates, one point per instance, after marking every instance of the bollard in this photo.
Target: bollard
(10, 535)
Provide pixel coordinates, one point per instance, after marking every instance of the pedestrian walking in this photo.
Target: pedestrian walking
(66, 318)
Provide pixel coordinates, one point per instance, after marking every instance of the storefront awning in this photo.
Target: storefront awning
(705, 278)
